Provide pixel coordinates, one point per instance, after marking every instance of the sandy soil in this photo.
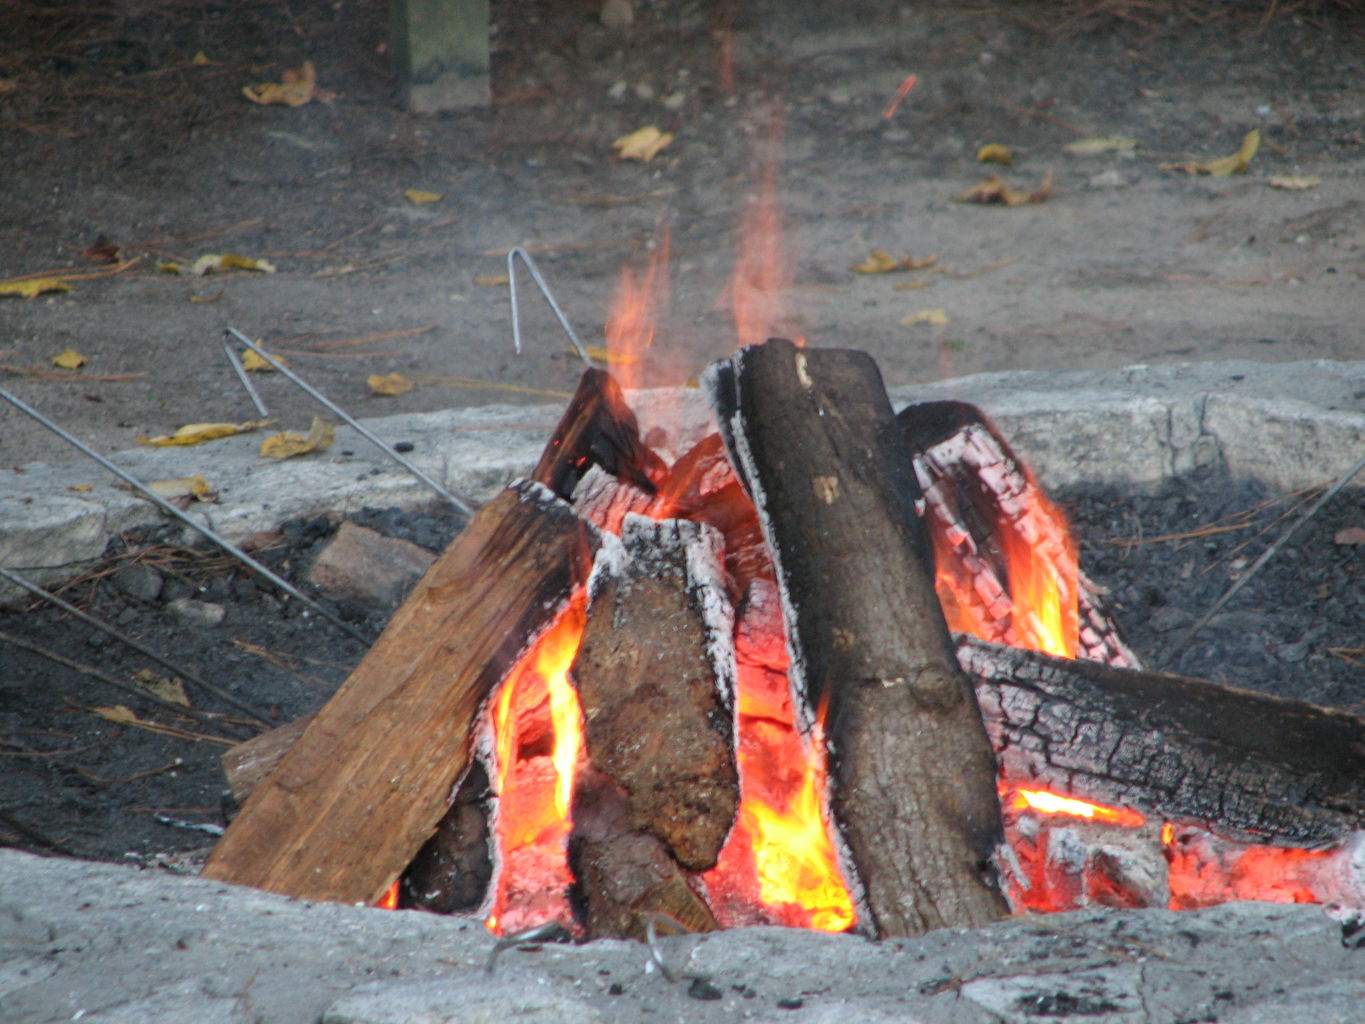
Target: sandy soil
(111, 129)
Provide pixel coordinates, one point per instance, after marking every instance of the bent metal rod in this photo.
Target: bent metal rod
(198, 527)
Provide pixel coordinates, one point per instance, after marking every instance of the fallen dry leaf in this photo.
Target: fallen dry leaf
(212, 262)
(995, 191)
(32, 287)
(253, 363)
(123, 715)
(168, 688)
(1221, 168)
(184, 488)
(994, 153)
(287, 446)
(170, 267)
(69, 359)
(490, 280)
(1102, 144)
(419, 196)
(81, 488)
(1293, 182)
(642, 144)
(913, 286)
(389, 384)
(200, 59)
(936, 317)
(194, 433)
(879, 261)
(296, 87)
(1349, 535)
(103, 251)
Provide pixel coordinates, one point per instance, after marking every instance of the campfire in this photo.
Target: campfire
(830, 666)
(719, 688)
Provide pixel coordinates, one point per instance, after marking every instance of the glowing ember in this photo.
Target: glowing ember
(538, 734)
(1051, 803)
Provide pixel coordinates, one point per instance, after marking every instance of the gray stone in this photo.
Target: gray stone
(197, 613)
(361, 564)
(139, 581)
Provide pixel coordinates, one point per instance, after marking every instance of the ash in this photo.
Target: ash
(1296, 630)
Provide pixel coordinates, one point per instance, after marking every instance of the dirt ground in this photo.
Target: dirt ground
(125, 123)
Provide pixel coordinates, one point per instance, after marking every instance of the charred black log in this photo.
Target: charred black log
(451, 871)
(1250, 766)
(913, 774)
(597, 429)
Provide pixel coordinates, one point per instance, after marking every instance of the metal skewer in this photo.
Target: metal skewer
(174, 512)
(231, 355)
(90, 620)
(350, 420)
(519, 253)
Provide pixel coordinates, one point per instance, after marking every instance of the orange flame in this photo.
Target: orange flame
(389, 901)
(1051, 803)
(538, 737)
(635, 312)
(760, 274)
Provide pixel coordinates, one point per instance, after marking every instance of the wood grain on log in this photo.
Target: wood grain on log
(1247, 765)
(652, 690)
(363, 788)
(914, 779)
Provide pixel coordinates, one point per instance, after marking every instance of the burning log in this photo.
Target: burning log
(654, 676)
(914, 776)
(1254, 767)
(349, 805)
(597, 429)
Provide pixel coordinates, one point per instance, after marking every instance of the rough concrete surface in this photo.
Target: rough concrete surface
(1291, 425)
(105, 943)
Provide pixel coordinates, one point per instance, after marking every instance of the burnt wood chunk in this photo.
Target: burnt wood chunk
(914, 777)
(597, 429)
(452, 869)
(1250, 766)
(366, 784)
(655, 677)
(624, 875)
(250, 761)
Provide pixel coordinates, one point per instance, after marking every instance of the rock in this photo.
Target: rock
(139, 581)
(197, 613)
(360, 564)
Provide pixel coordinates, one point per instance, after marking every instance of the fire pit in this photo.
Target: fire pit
(627, 820)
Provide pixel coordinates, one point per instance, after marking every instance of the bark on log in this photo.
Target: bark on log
(654, 674)
(624, 875)
(363, 788)
(1249, 766)
(914, 782)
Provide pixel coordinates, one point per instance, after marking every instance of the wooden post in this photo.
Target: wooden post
(440, 53)
(914, 778)
(364, 787)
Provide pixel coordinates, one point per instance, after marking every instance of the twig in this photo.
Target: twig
(1266, 555)
(34, 836)
(70, 376)
(329, 346)
(78, 275)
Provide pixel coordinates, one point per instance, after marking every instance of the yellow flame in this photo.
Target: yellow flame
(1051, 803)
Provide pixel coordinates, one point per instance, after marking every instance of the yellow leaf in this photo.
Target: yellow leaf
(69, 360)
(118, 713)
(194, 488)
(296, 87)
(168, 688)
(170, 267)
(879, 261)
(200, 59)
(602, 354)
(910, 286)
(194, 433)
(419, 196)
(286, 446)
(390, 384)
(253, 363)
(1293, 182)
(33, 287)
(936, 317)
(1221, 168)
(231, 261)
(81, 488)
(995, 191)
(641, 144)
(994, 153)
(491, 280)
(1102, 144)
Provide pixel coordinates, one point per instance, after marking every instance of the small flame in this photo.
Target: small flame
(760, 274)
(538, 731)
(1051, 803)
(389, 901)
(635, 312)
